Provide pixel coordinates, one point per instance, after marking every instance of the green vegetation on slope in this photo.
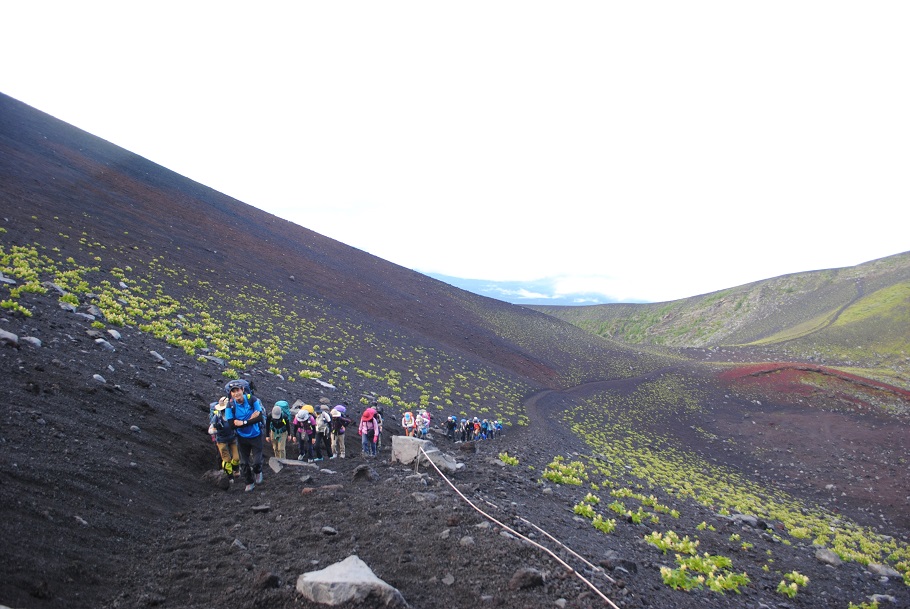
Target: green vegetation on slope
(291, 337)
(626, 455)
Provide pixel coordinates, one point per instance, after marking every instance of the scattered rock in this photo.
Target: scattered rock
(104, 344)
(883, 570)
(425, 497)
(526, 578)
(407, 450)
(612, 560)
(8, 338)
(365, 473)
(160, 358)
(828, 557)
(265, 580)
(347, 582)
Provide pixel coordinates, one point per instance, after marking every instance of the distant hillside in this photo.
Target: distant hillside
(857, 315)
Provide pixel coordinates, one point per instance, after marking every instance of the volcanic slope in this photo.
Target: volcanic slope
(138, 293)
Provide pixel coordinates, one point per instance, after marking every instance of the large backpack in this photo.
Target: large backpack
(323, 422)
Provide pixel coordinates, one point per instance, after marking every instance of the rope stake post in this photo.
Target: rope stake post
(526, 539)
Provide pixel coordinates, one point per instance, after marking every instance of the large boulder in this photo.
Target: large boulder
(407, 450)
(350, 580)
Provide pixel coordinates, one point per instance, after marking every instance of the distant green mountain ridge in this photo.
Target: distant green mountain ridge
(856, 315)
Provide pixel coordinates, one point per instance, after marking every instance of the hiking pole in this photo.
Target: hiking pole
(519, 535)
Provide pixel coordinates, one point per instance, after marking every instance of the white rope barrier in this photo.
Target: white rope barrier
(593, 567)
(519, 535)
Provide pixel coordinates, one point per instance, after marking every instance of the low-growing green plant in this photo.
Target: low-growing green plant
(869, 605)
(705, 570)
(797, 580)
(572, 473)
(606, 525)
(591, 498)
(584, 509)
(672, 541)
(505, 458)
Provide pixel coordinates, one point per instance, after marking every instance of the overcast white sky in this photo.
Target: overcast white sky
(649, 150)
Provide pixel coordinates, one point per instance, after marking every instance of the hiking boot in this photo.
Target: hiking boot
(259, 478)
(333, 456)
(318, 459)
(249, 487)
(300, 458)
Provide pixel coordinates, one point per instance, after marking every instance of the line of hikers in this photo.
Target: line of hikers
(466, 430)
(238, 424)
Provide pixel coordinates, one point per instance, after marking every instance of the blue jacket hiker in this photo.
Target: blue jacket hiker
(247, 415)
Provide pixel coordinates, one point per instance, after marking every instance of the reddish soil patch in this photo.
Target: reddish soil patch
(841, 435)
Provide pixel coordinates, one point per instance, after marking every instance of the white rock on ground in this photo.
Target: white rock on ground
(406, 450)
(350, 580)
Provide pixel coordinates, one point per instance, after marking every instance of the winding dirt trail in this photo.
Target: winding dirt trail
(546, 405)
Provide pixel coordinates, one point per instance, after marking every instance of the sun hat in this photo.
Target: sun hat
(301, 415)
(276, 412)
(222, 404)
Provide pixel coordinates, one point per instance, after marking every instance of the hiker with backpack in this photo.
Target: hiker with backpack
(484, 430)
(246, 414)
(451, 423)
(408, 424)
(225, 439)
(339, 422)
(423, 424)
(369, 432)
(304, 431)
(279, 428)
(323, 433)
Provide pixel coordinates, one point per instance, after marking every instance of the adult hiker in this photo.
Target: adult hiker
(339, 422)
(304, 430)
(451, 424)
(225, 439)
(246, 414)
(408, 424)
(323, 433)
(279, 428)
(369, 432)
